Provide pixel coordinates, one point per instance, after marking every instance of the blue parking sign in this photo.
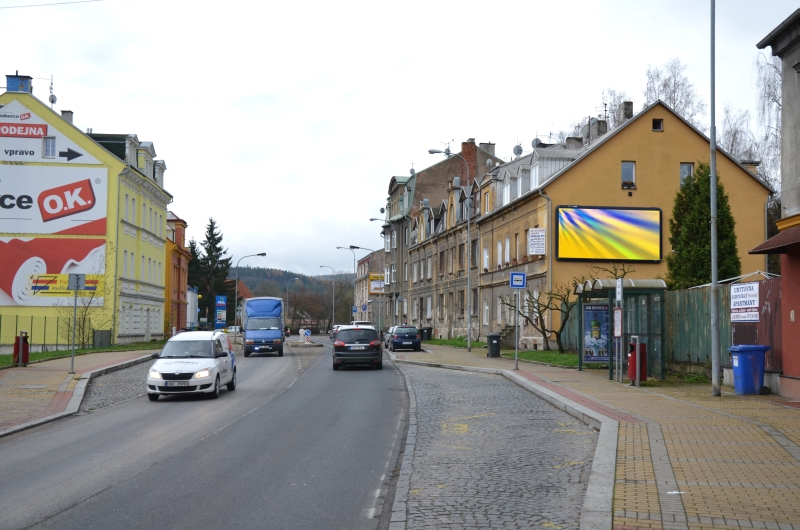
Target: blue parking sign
(518, 280)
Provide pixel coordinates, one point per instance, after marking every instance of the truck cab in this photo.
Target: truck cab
(263, 326)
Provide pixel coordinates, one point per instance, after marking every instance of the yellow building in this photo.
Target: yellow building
(79, 203)
(621, 185)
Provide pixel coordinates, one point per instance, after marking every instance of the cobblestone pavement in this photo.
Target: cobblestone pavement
(116, 387)
(489, 454)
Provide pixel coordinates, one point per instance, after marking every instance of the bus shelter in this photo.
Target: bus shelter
(642, 316)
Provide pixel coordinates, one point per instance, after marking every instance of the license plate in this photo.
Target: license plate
(177, 383)
(356, 347)
(407, 343)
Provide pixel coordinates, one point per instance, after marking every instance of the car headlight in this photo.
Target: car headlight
(202, 373)
(154, 375)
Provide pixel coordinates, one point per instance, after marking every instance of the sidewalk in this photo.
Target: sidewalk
(45, 391)
(670, 457)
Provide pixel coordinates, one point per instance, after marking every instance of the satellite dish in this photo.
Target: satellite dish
(488, 162)
(52, 98)
(383, 210)
(517, 150)
(412, 171)
(535, 142)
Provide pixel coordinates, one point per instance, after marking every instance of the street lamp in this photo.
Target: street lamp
(380, 321)
(468, 191)
(287, 294)
(236, 294)
(351, 249)
(333, 295)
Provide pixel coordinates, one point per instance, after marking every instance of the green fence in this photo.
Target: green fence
(44, 333)
(688, 329)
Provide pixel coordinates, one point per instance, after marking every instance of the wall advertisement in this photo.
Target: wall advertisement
(376, 284)
(53, 200)
(35, 271)
(744, 302)
(595, 333)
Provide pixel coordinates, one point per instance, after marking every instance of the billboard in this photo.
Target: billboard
(376, 284)
(35, 271)
(608, 234)
(53, 200)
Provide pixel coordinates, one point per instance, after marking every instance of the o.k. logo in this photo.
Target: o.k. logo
(69, 199)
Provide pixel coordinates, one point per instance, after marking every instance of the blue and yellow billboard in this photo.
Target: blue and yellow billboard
(587, 233)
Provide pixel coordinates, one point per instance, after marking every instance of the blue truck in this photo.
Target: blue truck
(263, 325)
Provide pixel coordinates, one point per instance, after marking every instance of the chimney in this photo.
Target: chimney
(573, 142)
(67, 115)
(19, 83)
(751, 165)
(624, 112)
(488, 147)
(89, 130)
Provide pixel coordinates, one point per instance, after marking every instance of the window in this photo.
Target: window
(405, 238)
(485, 258)
(144, 213)
(486, 312)
(133, 266)
(658, 125)
(687, 168)
(49, 147)
(415, 272)
(405, 272)
(516, 247)
(396, 306)
(429, 267)
(461, 303)
(628, 175)
(124, 263)
(440, 306)
(126, 207)
(508, 250)
(405, 306)
(499, 253)
(428, 309)
(142, 271)
(474, 300)
(386, 276)
(499, 310)
(394, 238)
(386, 244)
(486, 202)
(133, 211)
(506, 193)
(461, 257)
(441, 263)
(473, 255)
(394, 270)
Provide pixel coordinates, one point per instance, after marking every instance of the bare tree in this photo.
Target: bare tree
(735, 135)
(670, 85)
(613, 99)
(768, 117)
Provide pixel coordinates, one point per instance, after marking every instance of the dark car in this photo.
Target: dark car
(357, 345)
(405, 337)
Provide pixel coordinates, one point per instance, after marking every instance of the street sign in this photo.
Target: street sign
(355, 309)
(617, 322)
(307, 333)
(363, 307)
(518, 280)
(77, 282)
(619, 289)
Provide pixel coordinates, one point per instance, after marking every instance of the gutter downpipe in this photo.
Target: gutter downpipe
(549, 253)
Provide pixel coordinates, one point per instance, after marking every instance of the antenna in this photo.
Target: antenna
(605, 111)
(52, 99)
(412, 170)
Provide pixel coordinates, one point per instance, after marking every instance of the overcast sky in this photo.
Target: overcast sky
(284, 121)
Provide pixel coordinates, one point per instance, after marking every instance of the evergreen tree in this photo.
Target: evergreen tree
(689, 263)
(214, 269)
(194, 264)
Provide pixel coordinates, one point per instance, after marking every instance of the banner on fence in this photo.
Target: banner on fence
(744, 302)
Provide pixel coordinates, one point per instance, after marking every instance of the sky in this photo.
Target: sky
(285, 121)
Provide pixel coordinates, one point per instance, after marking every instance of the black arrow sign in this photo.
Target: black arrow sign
(69, 154)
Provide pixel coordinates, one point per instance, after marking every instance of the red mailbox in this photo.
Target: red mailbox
(632, 361)
(25, 349)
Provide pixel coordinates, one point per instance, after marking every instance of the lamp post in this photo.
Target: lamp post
(351, 249)
(236, 294)
(468, 191)
(380, 321)
(333, 295)
(287, 292)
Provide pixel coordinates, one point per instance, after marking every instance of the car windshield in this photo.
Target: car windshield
(263, 323)
(357, 335)
(406, 330)
(187, 348)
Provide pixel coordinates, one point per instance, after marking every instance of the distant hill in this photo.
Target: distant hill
(272, 282)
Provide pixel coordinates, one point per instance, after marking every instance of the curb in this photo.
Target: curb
(598, 504)
(77, 396)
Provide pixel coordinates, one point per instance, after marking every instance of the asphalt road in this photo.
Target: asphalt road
(296, 445)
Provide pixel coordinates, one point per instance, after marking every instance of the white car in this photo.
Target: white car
(193, 362)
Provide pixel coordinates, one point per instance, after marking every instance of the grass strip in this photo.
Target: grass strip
(5, 359)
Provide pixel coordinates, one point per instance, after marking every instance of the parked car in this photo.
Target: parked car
(334, 329)
(357, 345)
(406, 337)
(388, 336)
(193, 362)
(361, 323)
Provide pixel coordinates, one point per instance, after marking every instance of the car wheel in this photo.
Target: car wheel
(215, 393)
(152, 397)
(246, 353)
(335, 366)
(280, 352)
(418, 349)
(232, 384)
(391, 347)
(379, 366)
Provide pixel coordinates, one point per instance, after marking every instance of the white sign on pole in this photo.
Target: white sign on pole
(517, 280)
(537, 241)
(619, 289)
(744, 302)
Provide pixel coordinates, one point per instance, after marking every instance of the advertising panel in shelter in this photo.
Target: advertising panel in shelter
(35, 271)
(595, 333)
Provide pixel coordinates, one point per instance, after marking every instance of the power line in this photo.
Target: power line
(53, 4)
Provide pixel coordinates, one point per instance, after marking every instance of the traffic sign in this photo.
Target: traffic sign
(355, 309)
(363, 307)
(518, 280)
(307, 333)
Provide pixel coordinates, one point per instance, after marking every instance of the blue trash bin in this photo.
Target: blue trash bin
(748, 368)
